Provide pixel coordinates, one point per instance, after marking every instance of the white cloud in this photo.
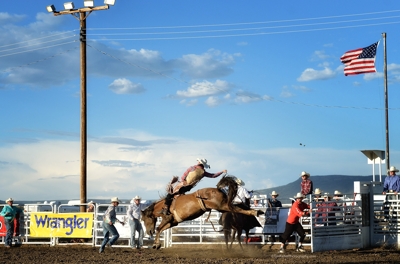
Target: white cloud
(205, 88)
(373, 76)
(312, 75)
(125, 86)
(211, 64)
(243, 97)
(213, 101)
(189, 102)
(320, 55)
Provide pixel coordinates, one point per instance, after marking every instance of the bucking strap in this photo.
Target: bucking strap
(200, 201)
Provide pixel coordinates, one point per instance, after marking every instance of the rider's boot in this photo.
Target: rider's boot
(167, 204)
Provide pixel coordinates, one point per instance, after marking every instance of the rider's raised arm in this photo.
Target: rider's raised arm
(214, 175)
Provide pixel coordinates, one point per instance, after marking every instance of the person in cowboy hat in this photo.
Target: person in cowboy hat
(109, 219)
(306, 184)
(337, 196)
(317, 197)
(392, 182)
(242, 198)
(10, 212)
(273, 201)
(298, 209)
(326, 211)
(134, 213)
(256, 201)
(188, 180)
(90, 208)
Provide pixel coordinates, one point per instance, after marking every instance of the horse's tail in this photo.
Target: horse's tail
(231, 184)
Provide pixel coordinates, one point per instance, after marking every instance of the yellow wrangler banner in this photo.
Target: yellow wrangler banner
(61, 225)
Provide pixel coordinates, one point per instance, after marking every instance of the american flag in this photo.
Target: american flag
(360, 60)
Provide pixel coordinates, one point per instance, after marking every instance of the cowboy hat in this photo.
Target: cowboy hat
(91, 202)
(274, 193)
(9, 200)
(303, 173)
(317, 191)
(299, 195)
(337, 193)
(393, 168)
(137, 197)
(115, 199)
(256, 198)
(239, 181)
(204, 162)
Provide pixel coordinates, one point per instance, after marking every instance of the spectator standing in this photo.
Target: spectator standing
(326, 211)
(134, 214)
(90, 208)
(256, 201)
(317, 195)
(392, 182)
(10, 212)
(110, 217)
(338, 197)
(306, 184)
(273, 201)
(298, 209)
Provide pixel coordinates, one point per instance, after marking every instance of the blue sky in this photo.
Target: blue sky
(240, 84)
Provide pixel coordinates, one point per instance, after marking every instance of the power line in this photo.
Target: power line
(5, 55)
(246, 34)
(250, 23)
(239, 29)
(30, 40)
(35, 44)
(37, 61)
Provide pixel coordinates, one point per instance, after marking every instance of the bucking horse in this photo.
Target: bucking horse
(191, 206)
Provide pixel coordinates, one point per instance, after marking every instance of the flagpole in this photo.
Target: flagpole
(386, 102)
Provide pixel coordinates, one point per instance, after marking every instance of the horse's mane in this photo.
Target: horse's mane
(230, 183)
(149, 209)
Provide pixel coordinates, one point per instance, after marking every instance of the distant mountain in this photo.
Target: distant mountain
(328, 183)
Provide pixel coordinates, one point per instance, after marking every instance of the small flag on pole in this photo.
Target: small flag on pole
(360, 60)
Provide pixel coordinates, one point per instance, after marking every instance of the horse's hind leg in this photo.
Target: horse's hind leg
(239, 235)
(232, 237)
(227, 233)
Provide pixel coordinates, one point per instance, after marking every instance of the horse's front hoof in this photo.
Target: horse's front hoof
(156, 246)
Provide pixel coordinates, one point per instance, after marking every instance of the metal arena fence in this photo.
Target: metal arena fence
(360, 219)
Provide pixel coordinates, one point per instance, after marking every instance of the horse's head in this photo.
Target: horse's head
(230, 183)
(149, 220)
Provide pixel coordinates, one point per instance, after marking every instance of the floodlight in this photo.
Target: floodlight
(51, 8)
(88, 3)
(109, 2)
(69, 6)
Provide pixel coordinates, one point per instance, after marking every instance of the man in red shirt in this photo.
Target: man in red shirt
(297, 210)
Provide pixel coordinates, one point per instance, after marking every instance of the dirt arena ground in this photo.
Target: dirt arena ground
(189, 254)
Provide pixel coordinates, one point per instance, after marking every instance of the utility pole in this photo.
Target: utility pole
(81, 14)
